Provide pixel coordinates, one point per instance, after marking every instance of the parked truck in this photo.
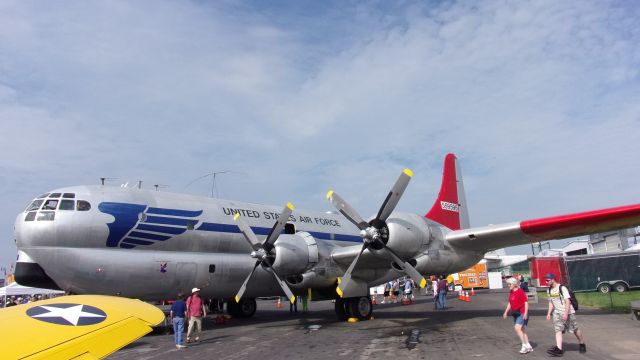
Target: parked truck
(619, 271)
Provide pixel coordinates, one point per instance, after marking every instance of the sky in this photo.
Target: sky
(539, 100)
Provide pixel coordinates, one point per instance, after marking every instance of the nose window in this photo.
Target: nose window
(66, 205)
(83, 205)
(50, 205)
(35, 205)
(46, 216)
(54, 195)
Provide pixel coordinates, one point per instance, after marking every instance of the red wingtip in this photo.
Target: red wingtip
(582, 223)
(446, 209)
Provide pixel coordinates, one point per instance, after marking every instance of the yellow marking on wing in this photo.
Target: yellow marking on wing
(236, 216)
(126, 321)
(329, 194)
(408, 172)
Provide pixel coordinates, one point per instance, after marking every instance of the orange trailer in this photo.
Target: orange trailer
(474, 277)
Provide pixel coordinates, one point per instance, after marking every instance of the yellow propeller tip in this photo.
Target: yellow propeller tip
(339, 291)
(408, 172)
(339, 279)
(290, 206)
(423, 283)
(237, 299)
(293, 299)
(329, 194)
(236, 216)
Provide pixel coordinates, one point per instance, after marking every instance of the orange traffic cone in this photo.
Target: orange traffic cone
(279, 304)
(467, 298)
(473, 293)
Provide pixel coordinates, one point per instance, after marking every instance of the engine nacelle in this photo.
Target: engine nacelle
(409, 234)
(295, 254)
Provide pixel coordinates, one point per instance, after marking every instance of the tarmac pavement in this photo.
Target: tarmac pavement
(466, 330)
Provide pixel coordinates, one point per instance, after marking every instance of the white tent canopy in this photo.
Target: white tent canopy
(14, 289)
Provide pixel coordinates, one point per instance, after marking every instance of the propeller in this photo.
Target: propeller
(263, 252)
(375, 233)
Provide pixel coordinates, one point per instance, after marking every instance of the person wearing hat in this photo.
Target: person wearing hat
(564, 318)
(195, 311)
(519, 307)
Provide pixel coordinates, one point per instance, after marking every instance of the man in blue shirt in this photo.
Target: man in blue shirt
(177, 316)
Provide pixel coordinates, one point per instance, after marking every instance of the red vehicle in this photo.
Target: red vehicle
(541, 266)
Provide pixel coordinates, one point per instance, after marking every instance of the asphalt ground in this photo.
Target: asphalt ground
(466, 330)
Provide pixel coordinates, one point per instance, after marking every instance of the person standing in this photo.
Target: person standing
(564, 318)
(176, 316)
(387, 289)
(195, 311)
(519, 307)
(442, 293)
(434, 287)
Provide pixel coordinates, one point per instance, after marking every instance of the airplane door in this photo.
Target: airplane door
(186, 276)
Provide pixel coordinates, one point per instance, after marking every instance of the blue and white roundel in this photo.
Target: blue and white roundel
(68, 314)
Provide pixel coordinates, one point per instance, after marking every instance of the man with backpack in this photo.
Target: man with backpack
(564, 318)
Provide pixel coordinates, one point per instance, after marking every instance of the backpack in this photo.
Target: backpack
(572, 298)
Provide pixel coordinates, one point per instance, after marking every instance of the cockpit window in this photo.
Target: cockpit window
(46, 215)
(43, 196)
(50, 205)
(35, 205)
(69, 195)
(54, 195)
(83, 205)
(67, 205)
(30, 216)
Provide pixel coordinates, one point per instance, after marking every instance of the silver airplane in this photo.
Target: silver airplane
(151, 245)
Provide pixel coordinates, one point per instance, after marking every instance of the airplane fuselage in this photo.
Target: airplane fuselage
(151, 245)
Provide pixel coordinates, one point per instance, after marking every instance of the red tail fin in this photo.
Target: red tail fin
(450, 208)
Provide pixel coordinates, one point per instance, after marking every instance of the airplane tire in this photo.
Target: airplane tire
(247, 307)
(360, 307)
(342, 309)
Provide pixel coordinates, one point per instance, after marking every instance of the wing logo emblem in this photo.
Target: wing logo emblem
(67, 314)
(449, 206)
(136, 224)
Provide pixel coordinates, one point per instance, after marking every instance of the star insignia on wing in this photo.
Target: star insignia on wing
(68, 314)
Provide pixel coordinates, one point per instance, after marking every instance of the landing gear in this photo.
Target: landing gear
(244, 309)
(357, 307)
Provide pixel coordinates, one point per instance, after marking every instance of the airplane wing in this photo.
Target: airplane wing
(74, 327)
(558, 227)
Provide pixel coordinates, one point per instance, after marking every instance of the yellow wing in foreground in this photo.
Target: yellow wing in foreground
(79, 326)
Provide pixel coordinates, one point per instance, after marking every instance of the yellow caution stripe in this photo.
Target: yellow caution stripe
(329, 194)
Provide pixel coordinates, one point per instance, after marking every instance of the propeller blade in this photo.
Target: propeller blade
(394, 195)
(244, 284)
(345, 209)
(408, 268)
(347, 275)
(245, 229)
(284, 286)
(278, 226)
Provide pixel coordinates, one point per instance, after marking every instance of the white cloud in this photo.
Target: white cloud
(538, 99)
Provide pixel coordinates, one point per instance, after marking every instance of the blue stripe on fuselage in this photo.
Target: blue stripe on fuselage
(173, 212)
(228, 228)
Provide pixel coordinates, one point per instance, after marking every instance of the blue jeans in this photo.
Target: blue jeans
(442, 300)
(178, 329)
